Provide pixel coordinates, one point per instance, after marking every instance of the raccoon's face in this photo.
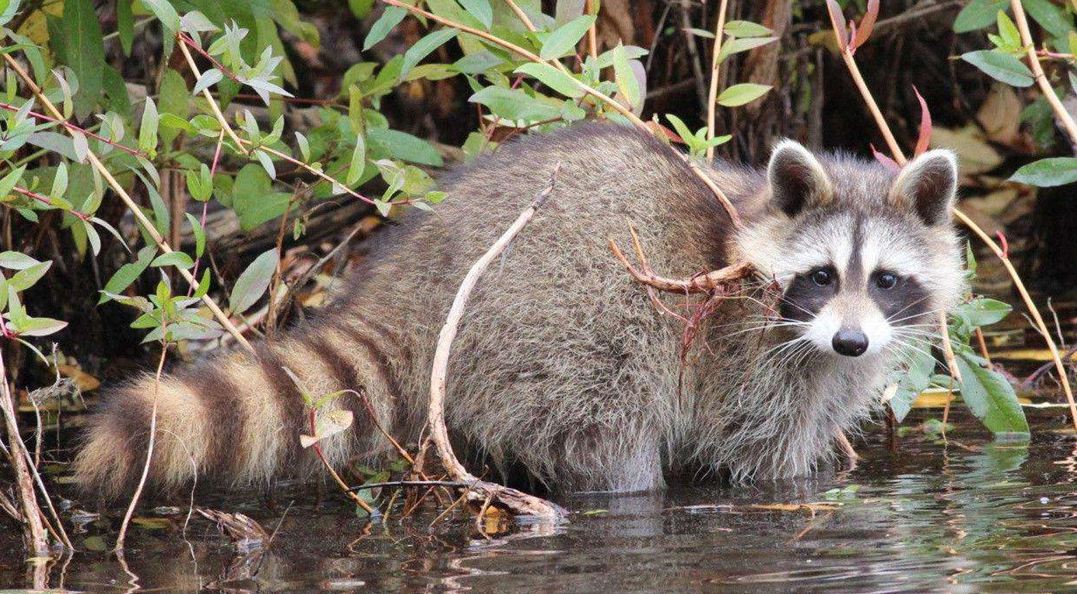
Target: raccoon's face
(863, 256)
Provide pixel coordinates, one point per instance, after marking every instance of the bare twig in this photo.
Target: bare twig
(615, 105)
(1041, 79)
(34, 537)
(712, 93)
(478, 490)
(592, 32)
(716, 280)
(149, 452)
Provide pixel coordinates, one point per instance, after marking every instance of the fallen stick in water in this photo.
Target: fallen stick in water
(480, 491)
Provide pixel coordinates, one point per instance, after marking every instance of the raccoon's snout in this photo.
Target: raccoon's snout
(851, 343)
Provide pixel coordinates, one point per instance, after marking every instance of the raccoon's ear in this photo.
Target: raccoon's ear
(928, 186)
(796, 178)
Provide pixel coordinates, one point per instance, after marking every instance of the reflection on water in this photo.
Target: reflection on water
(972, 516)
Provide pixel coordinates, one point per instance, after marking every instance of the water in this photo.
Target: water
(916, 515)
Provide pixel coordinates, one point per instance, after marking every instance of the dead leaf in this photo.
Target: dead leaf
(974, 154)
(328, 425)
(246, 533)
(83, 381)
(1000, 116)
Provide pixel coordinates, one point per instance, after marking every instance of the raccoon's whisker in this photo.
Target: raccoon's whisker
(905, 344)
(907, 306)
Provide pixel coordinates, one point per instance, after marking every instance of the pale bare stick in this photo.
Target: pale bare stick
(37, 544)
(714, 280)
(615, 105)
(1037, 71)
(846, 448)
(712, 93)
(479, 491)
(149, 452)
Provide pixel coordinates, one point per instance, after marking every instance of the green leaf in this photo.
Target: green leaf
(24, 279)
(253, 282)
(680, 127)
(735, 46)
(173, 100)
(565, 38)
(1051, 17)
(515, 105)
(389, 19)
(163, 10)
(737, 95)
(125, 22)
(979, 14)
(913, 378)
(83, 50)
(990, 397)
(983, 311)
(1055, 171)
(39, 327)
(1000, 66)
(16, 261)
(1008, 31)
(358, 162)
(128, 273)
(424, 47)
(177, 259)
(199, 235)
(147, 131)
(563, 83)
(481, 10)
(404, 146)
(746, 29)
(625, 77)
(9, 181)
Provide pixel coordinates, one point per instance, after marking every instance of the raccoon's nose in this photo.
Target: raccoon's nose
(851, 343)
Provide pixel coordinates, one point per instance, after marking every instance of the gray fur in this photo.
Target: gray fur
(562, 363)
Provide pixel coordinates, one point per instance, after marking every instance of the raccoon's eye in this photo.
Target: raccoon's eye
(886, 281)
(821, 277)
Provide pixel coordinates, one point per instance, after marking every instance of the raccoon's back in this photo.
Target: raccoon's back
(547, 331)
(558, 346)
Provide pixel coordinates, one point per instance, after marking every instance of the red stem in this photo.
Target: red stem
(71, 126)
(45, 200)
(191, 44)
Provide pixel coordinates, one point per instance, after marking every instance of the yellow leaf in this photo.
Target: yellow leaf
(36, 25)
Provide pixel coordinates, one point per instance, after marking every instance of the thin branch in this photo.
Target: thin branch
(130, 203)
(365, 486)
(616, 106)
(149, 452)
(34, 531)
(209, 98)
(479, 490)
(74, 128)
(46, 200)
(1041, 79)
(712, 93)
(714, 280)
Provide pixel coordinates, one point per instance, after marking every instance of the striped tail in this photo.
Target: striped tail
(237, 418)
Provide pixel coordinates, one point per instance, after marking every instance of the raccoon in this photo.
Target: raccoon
(563, 366)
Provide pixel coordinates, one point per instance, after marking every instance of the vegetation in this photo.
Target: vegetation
(113, 174)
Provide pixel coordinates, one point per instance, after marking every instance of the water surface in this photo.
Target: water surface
(918, 514)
